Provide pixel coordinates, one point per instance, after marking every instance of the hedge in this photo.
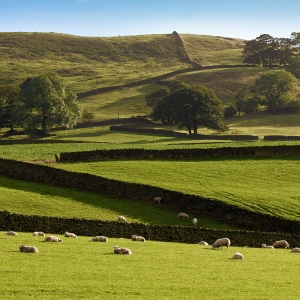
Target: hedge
(248, 151)
(198, 205)
(112, 229)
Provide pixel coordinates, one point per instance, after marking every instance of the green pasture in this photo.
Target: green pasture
(80, 269)
(29, 198)
(266, 185)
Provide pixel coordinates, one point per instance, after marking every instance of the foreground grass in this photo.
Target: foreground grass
(29, 198)
(79, 269)
(265, 185)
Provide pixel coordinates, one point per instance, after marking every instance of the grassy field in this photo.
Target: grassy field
(30, 198)
(79, 269)
(265, 185)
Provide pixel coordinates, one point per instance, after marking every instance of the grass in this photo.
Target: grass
(30, 198)
(79, 269)
(257, 184)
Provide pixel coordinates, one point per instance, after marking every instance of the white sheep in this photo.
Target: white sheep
(295, 250)
(157, 200)
(24, 248)
(182, 216)
(195, 221)
(221, 242)
(11, 233)
(281, 244)
(121, 219)
(138, 238)
(203, 243)
(52, 238)
(267, 246)
(38, 233)
(238, 255)
(70, 234)
(118, 250)
(99, 238)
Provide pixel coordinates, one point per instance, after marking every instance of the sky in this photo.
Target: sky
(245, 19)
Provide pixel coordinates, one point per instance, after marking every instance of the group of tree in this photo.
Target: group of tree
(187, 106)
(266, 50)
(38, 104)
(272, 90)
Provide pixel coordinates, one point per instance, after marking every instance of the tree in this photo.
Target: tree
(153, 98)
(239, 100)
(294, 66)
(88, 115)
(190, 107)
(8, 100)
(275, 89)
(44, 103)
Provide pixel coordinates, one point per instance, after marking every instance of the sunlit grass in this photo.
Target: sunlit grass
(79, 269)
(257, 184)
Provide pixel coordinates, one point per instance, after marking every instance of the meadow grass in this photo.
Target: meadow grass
(266, 185)
(80, 269)
(29, 198)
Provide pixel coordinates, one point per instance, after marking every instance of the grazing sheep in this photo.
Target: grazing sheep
(52, 238)
(267, 246)
(118, 250)
(99, 238)
(295, 250)
(38, 233)
(11, 233)
(281, 244)
(121, 219)
(238, 255)
(24, 248)
(203, 243)
(195, 221)
(182, 216)
(157, 200)
(138, 238)
(221, 242)
(71, 235)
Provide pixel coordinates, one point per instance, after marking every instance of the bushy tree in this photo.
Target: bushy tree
(88, 116)
(8, 99)
(190, 107)
(44, 103)
(294, 66)
(275, 89)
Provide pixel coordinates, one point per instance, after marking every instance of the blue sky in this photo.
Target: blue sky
(227, 18)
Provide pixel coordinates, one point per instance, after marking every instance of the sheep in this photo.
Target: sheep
(182, 216)
(281, 244)
(238, 255)
(195, 221)
(11, 233)
(71, 235)
(52, 238)
(24, 248)
(138, 238)
(157, 200)
(99, 238)
(38, 233)
(121, 219)
(118, 250)
(295, 250)
(267, 246)
(221, 242)
(203, 243)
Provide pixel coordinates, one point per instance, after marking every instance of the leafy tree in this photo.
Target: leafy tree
(294, 66)
(230, 110)
(8, 100)
(190, 107)
(240, 99)
(275, 89)
(153, 98)
(87, 115)
(44, 103)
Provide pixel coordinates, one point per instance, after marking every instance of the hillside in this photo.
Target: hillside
(87, 63)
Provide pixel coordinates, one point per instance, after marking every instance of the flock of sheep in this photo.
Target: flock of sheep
(219, 243)
(52, 238)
